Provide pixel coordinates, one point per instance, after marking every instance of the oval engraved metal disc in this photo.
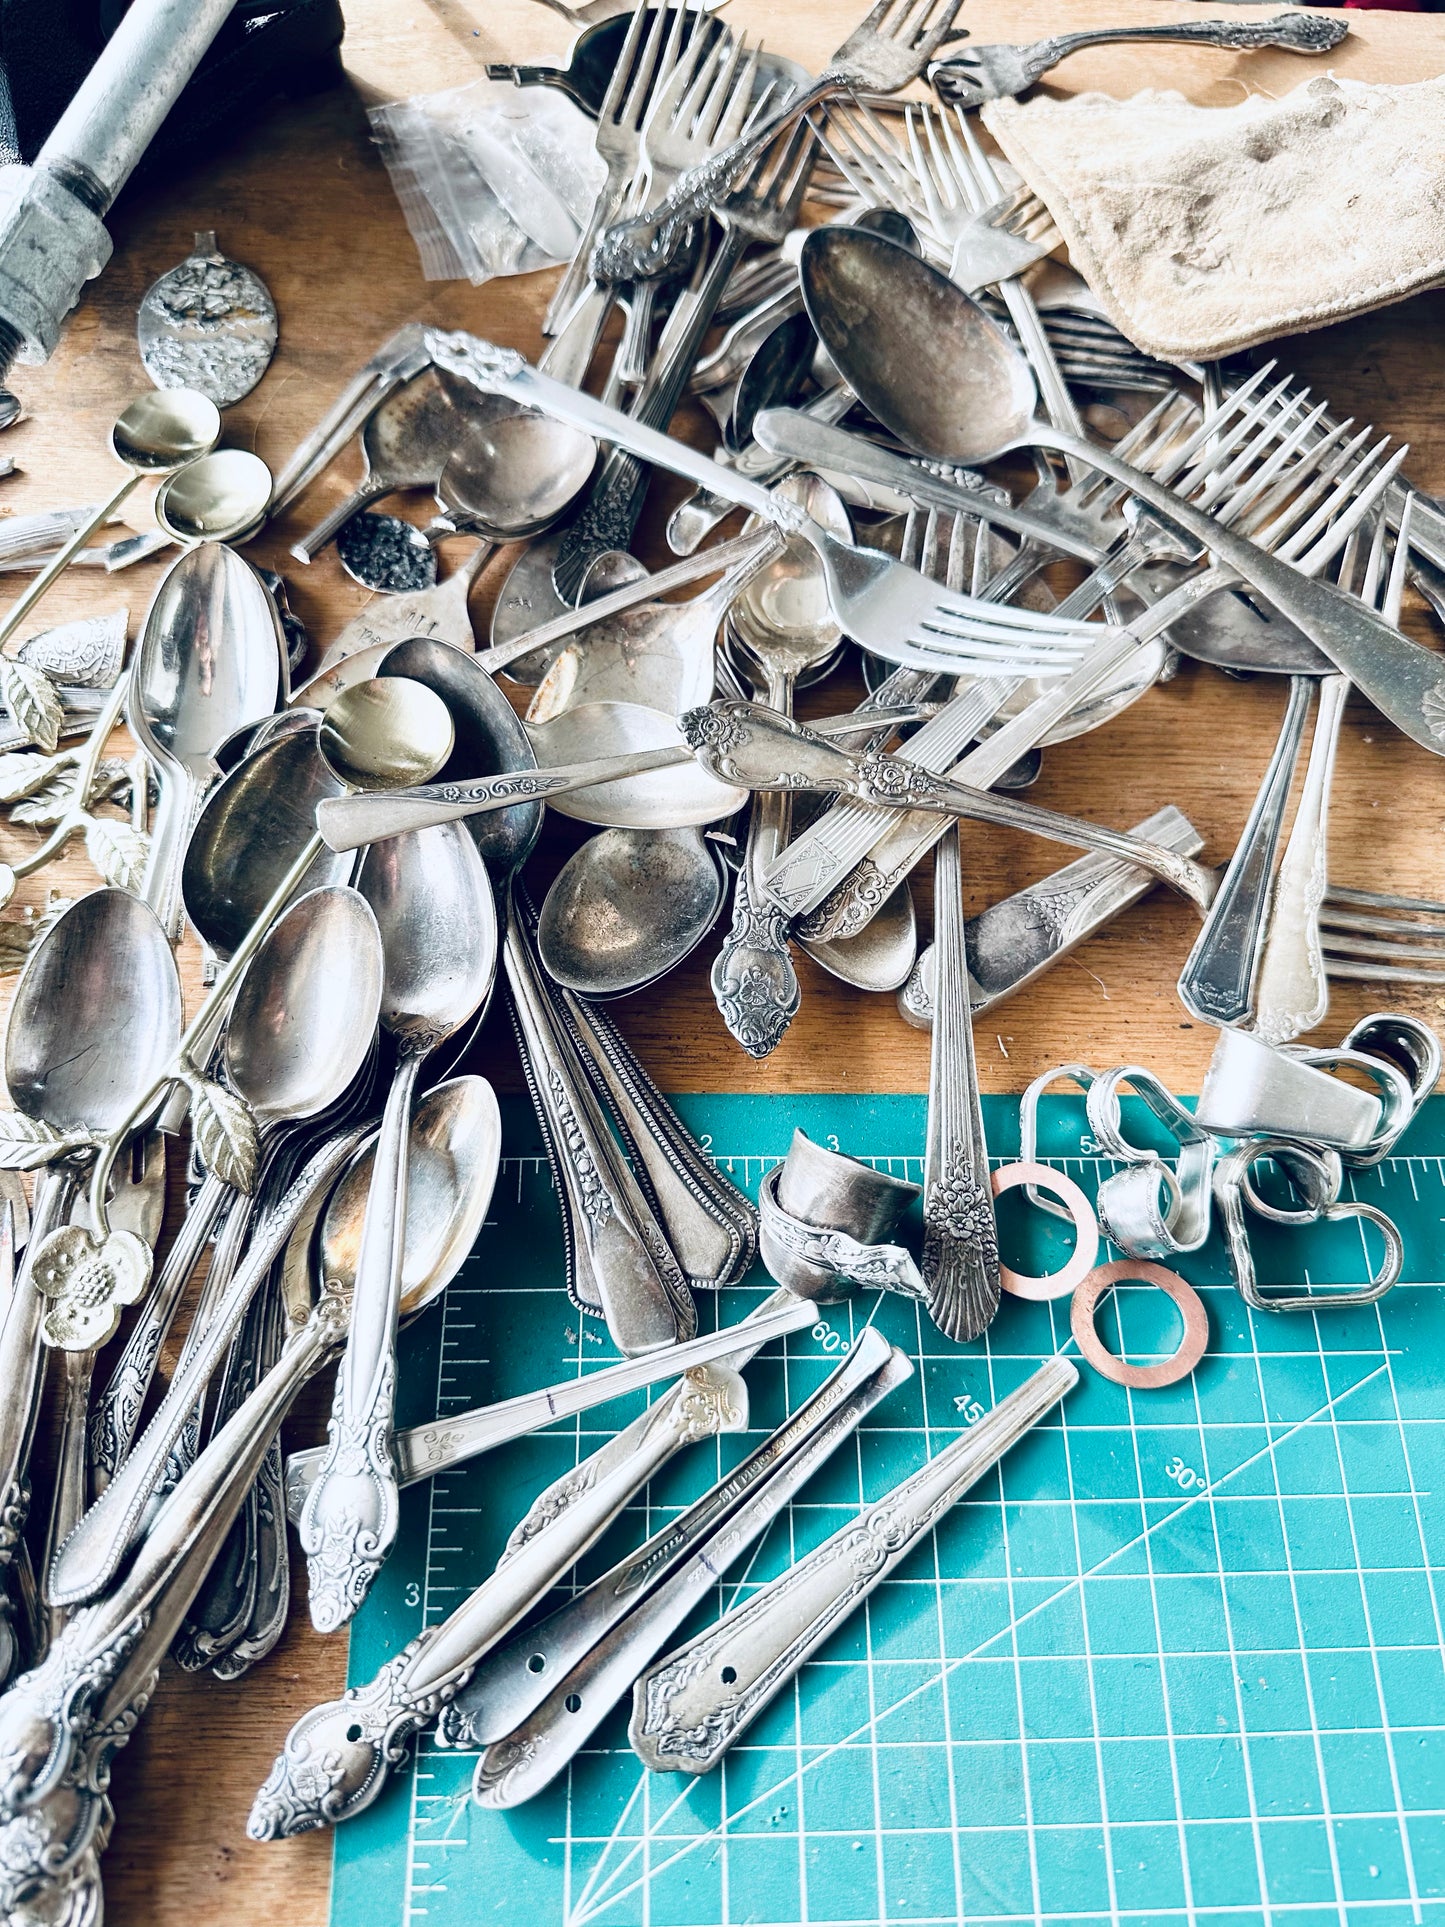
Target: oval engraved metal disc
(209, 324)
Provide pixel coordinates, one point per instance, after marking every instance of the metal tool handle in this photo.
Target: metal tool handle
(363, 1735)
(398, 359)
(515, 1677)
(1303, 33)
(691, 1707)
(424, 1450)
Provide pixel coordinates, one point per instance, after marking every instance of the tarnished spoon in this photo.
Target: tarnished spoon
(628, 907)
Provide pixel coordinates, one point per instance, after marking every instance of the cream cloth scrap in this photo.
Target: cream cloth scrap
(1206, 229)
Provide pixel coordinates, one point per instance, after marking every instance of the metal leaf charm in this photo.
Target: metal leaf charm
(225, 1133)
(26, 1144)
(17, 940)
(34, 702)
(117, 851)
(24, 773)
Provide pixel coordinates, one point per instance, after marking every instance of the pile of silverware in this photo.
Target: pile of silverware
(860, 298)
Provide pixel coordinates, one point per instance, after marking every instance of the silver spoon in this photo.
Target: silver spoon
(659, 654)
(783, 624)
(665, 798)
(881, 955)
(433, 903)
(139, 1617)
(208, 663)
(513, 473)
(932, 367)
(221, 497)
(97, 1007)
(299, 1031)
(628, 907)
(156, 433)
(404, 444)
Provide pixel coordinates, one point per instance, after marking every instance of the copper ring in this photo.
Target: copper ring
(1192, 1346)
(1058, 1284)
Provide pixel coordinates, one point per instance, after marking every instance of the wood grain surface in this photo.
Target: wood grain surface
(302, 197)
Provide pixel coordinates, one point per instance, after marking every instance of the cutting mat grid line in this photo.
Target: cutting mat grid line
(1181, 1659)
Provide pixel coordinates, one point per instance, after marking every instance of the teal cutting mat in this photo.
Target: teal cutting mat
(1183, 1662)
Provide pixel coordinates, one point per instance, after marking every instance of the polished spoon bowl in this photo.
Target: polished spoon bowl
(160, 431)
(627, 908)
(661, 799)
(222, 497)
(208, 663)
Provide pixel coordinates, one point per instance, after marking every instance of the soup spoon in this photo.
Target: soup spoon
(932, 367)
(628, 907)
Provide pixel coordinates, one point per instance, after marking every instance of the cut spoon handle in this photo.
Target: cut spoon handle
(1403, 680)
(522, 1763)
(363, 1735)
(501, 371)
(691, 1707)
(424, 1450)
(307, 547)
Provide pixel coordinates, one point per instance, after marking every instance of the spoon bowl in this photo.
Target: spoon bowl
(881, 955)
(218, 498)
(302, 1022)
(515, 472)
(253, 828)
(165, 428)
(941, 375)
(385, 733)
(489, 740)
(96, 1015)
(456, 1145)
(665, 799)
(628, 907)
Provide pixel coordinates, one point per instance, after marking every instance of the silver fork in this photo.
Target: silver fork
(843, 893)
(700, 107)
(889, 49)
(619, 146)
(1292, 989)
(992, 73)
(1370, 936)
(762, 207)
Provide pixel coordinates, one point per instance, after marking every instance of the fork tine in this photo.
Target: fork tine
(1330, 542)
(640, 90)
(617, 82)
(933, 202)
(930, 32)
(912, 539)
(1299, 501)
(1399, 563)
(1269, 467)
(1345, 487)
(854, 167)
(1375, 563)
(727, 106)
(1270, 481)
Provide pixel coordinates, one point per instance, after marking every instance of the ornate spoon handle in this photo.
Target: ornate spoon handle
(337, 1757)
(522, 1762)
(691, 1707)
(510, 1682)
(960, 1238)
(644, 1295)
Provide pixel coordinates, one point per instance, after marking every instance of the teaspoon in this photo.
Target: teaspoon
(434, 906)
(628, 907)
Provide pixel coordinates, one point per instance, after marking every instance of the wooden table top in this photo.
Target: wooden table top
(303, 198)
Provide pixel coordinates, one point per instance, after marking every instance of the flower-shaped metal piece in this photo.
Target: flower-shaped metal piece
(88, 1284)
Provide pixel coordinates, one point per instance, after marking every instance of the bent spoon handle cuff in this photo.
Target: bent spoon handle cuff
(691, 1707)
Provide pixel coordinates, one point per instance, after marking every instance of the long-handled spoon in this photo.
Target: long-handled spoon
(433, 903)
(158, 432)
(91, 1695)
(299, 1031)
(97, 1009)
(937, 372)
(208, 663)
